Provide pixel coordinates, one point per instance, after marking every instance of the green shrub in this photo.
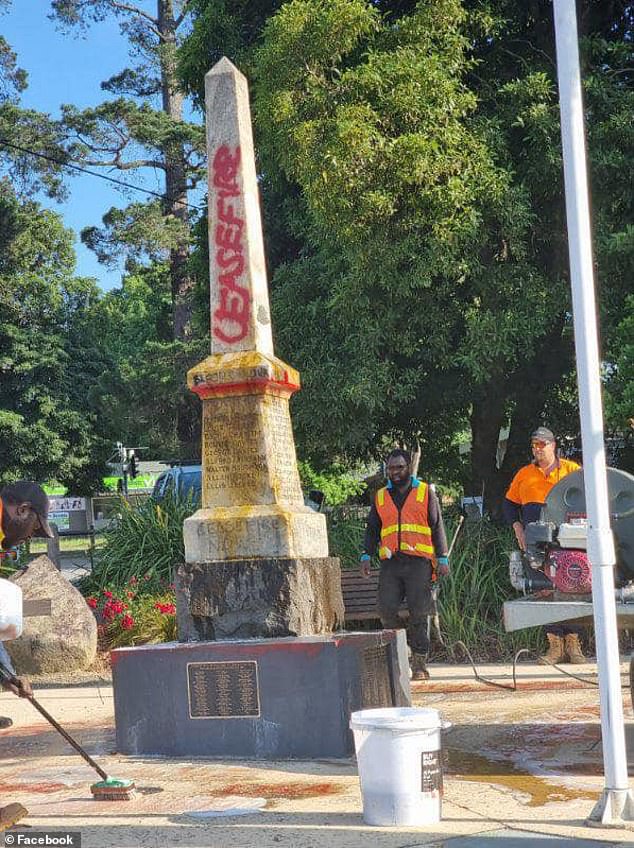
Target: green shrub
(336, 482)
(146, 540)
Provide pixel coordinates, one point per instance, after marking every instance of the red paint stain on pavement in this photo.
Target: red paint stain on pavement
(446, 687)
(37, 729)
(291, 791)
(43, 788)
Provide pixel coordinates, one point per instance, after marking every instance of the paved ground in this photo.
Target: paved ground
(523, 768)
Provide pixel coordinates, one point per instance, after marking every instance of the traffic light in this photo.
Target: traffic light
(132, 465)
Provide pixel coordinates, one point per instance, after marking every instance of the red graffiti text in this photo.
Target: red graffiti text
(231, 318)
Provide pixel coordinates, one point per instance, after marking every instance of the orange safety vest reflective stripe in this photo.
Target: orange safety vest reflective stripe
(406, 530)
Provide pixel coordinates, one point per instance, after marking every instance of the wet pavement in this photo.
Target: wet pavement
(521, 767)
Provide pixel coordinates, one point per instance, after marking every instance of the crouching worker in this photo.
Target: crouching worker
(11, 814)
(405, 525)
(23, 514)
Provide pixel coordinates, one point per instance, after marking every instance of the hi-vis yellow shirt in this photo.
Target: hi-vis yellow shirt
(1, 530)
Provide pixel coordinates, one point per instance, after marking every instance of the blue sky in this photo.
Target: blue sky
(69, 69)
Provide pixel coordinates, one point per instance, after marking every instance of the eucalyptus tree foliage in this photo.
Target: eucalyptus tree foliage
(139, 392)
(221, 28)
(142, 127)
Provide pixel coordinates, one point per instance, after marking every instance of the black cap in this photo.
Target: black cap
(543, 434)
(25, 491)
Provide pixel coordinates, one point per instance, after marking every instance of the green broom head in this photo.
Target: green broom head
(114, 783)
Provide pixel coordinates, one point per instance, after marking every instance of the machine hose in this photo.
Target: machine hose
(513, 686)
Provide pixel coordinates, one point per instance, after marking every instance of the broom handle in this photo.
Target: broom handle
(10, 678)
(455, 535)
(102, 774)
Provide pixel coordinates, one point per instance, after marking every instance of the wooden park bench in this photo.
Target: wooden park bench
(360, 595)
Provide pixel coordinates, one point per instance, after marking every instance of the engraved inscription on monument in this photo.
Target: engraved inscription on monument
(249, 452)
(223, 689)
(377, 688)
(283, 460)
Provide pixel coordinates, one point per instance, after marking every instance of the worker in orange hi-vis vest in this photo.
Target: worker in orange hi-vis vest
(405, 525)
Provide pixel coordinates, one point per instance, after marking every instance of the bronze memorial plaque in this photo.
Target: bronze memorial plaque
(223, 689)
(377, 687)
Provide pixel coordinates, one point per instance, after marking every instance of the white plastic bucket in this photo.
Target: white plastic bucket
(10, 610)
(399, 761)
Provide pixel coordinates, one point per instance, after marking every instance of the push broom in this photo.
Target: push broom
(108, 788)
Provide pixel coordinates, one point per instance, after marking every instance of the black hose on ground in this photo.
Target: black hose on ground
(513, 687)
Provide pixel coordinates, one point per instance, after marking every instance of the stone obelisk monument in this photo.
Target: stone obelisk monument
(257, 671)
(256, 557)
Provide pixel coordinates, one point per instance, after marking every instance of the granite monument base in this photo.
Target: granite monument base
(255, 699)
(266, 598)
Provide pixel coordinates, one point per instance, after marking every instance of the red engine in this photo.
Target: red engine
(569, 570)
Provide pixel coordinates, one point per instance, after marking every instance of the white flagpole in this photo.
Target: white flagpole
(616, 806)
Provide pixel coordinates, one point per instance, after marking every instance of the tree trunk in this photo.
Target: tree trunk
(188, 413)
(175, 177)
(487, 418)
(535, 382)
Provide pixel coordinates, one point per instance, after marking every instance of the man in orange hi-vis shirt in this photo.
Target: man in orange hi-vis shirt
(524, 500)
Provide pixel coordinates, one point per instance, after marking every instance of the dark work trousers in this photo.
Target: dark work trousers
(406, 578)
(564, 629)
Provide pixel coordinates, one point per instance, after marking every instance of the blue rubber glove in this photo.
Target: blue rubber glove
(364, 564)
(443, 566)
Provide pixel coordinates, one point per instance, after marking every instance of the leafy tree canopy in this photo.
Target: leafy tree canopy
(46, 359)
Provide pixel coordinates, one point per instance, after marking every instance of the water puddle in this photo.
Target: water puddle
(466, 765)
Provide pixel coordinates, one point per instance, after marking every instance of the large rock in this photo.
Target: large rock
(258, 598)
(64, 641)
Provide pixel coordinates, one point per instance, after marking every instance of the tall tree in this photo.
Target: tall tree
(411, 170)
(30, 142)
(47, 362)
(397, 189)
(515, 83)
(423, 158)
(144, 127)
(129, 133)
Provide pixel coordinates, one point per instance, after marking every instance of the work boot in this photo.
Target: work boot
(555, 652)
(573, 649)
(11, 814)
(419, 667)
